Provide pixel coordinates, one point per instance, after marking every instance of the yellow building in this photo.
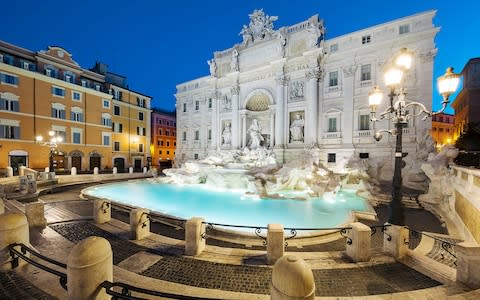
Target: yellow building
(48, 91)
(443, 129)
(164, 138)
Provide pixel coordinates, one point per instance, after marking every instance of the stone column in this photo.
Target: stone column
(347, 115)
(194, 242)
(394, 239)
(139, 223)
(468, 262)
(282, 82)
(102, 211)
(214, 122)
(35, 213)
(311, 97)
(244, 131)
(88, 265)
(275, 243)
(292, 279)
(360, 248)
(13, 229)
(272, 130)
(235, 117)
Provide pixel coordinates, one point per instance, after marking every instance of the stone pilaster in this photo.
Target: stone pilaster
(280, 128)
(311, 97)
(347, 116)
(235, 118)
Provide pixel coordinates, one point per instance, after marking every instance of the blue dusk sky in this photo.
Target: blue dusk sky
(159, 44)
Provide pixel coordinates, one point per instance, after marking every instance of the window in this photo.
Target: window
(84, 83)
(168, 143)
(58, 91)
(106, 120)
(184, 136)
(76, 115)
(197, 105)
(332, 124)
(106, 140)
(8, 79)
(161, 143)
(8, 59)
(97, 87)
(9, 104)
(402, 29)
(196, 155)
(160, 152)
(209, 134)
(168, 152)
(9, 132)
(76, 96)
(106, 103)
(117, 127)
(333, 78)
(175, 144)
(62, 134)
(140, 102)
(366, 73)
(140, 116)
(76, 138)
(140, 147)
(364, 122)
(184, 107)
(197, 135)
(69, 78)
(50, 72)
(366, 39)
(116, 110)
(333, 48)
(167, 132)
(363, 155)
(167, 123)
(332, 157)
(159, 132)
(116, 146)
(58, 111)
(158, 143)
(209, 102)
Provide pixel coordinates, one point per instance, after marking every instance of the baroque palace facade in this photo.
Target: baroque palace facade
(300, 90)
(101, 121)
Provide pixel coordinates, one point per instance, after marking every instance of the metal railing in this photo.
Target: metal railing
(447, 248)
(209, 227)
(383, 229)
(17, 254)
(127, 289)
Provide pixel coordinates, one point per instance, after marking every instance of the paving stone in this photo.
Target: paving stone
(14, 286)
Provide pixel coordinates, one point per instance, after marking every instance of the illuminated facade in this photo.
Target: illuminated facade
(467, 102)
(302, 90)
(443, 128)
(47, 90)
(164, 138)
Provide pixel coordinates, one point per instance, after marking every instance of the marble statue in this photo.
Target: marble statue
(234, 62)
(317, 32)
(255, 132)
(296, 129)
(227, 134)
(259, 28)
(213, 66)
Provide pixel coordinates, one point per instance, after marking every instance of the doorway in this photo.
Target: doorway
(138, 165)
(119, 162)
(16, 161)
(95, 161)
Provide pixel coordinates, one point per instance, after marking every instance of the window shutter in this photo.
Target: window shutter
(16, 106)
(54, 112)
(3, 104)
(63, 114)
(120, 129)
(144, 131)
(16, 132)
(72, 116)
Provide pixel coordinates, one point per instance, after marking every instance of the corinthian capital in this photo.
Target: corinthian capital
(314, 73)
(235, 90)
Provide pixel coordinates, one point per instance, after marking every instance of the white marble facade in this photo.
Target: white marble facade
(299, 89)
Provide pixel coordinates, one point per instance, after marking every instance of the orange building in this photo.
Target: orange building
(467, 102)
(164, 138)
(48, 91)
(443, 129)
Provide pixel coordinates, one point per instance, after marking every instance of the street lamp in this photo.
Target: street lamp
(399, 114)
(52, 143)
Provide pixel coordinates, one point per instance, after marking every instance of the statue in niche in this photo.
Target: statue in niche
(259, 28)
(227, 134)
(255, 133)
(213, 67)
(296, 89)
(296, 129)
(234, 62)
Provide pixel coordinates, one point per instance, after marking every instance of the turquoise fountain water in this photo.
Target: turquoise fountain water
(232, 206)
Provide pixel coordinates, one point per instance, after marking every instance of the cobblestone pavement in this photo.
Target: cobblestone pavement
(75, 232)
(378, 279)
(14, 286)
(373, 280)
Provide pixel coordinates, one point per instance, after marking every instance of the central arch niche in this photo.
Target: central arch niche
(257, 107)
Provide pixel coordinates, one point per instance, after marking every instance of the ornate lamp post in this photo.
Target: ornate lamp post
(399, 114)
(53, 144)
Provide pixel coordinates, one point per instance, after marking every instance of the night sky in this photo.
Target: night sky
(159, 44)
